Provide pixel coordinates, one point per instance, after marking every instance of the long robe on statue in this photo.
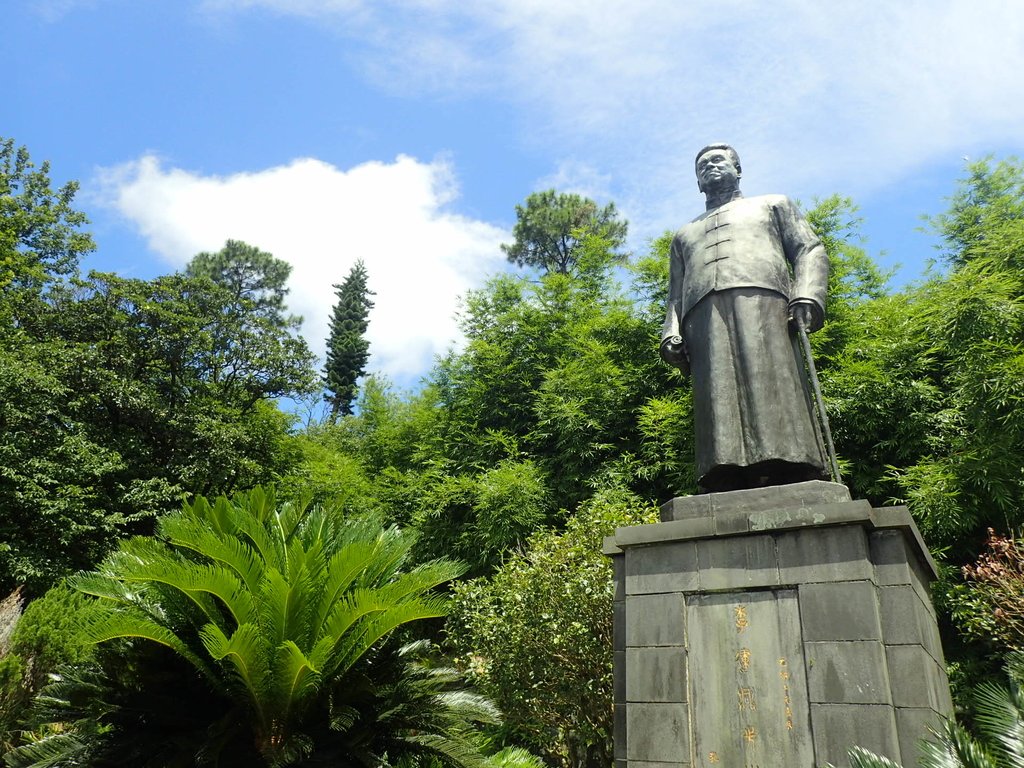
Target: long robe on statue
(734, 273)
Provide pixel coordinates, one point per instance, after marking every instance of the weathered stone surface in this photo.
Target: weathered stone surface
(657, 533)
(837, 727)
(895, 530)
(914, 676)
(669, 567)
(619, 735)
(913, 727)
(823, 555)
(792, 496)
(656, 674)
(619, 625)
(619, 576)
(901, 519)
(726, 524)
(619, 666)
(653, 620)
(847, 673)
(748, 691)
(891, 557)
(686, 507)
(846, 610)
(905, 618)
(826, 514)
(862, 622)
(657, 733)
(737, 563)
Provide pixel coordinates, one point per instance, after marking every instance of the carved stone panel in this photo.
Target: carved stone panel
(748, 689)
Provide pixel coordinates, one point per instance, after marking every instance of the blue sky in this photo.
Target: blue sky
(405, 132)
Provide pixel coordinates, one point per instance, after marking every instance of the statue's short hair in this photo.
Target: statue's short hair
(727, 147)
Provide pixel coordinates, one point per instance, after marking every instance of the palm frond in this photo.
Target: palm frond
(244, 651)
(862, 758)
(197, 536)
(514, 757)
(457, 750)
(129, 624)
(295, 678)
(999, 719)
(954, 748)
(56, 750)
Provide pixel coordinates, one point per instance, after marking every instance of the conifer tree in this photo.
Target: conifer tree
(551, 229)
(347, 347)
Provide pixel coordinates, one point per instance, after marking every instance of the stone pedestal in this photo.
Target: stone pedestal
(774, 627)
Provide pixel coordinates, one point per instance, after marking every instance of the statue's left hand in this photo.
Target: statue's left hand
(803, 316)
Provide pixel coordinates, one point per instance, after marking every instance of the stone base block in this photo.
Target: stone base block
(777, 624)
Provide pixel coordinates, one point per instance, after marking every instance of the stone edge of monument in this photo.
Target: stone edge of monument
(808, 494)
(761, 510)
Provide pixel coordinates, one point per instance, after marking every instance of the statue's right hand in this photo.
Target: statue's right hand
(673, 352)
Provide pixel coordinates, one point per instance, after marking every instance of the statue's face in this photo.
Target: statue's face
(717, 172)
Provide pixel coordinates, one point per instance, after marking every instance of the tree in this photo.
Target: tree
(41, 240)
(254, 349)
(52, 515)
(251, 632)
(47, 636)
(537, 634)
(551, 227)
(347, 347)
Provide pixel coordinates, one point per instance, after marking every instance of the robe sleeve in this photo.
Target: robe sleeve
(674, 307)
(673, 348)
(806, 255)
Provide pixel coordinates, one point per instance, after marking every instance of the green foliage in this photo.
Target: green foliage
(537, 634)
(274, 622)
(481, 517)
(128, 393)
(40, 236)
(554, 370)
(551, 228)
(324, 473)
(47, 636)
(253, 351)
(56, 477)
(988, 203)
(347, 346)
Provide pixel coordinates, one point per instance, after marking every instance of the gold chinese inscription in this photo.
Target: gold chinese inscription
(746, 699)
(786, 700)
(743, 659)
(750, 734)
(740, 612)
(713, 757)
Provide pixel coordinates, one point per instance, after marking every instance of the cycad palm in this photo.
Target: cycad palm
(282, 611)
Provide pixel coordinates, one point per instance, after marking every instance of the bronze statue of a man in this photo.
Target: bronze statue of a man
(741, 273)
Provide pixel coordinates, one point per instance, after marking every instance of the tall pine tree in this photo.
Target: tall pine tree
(347, 347)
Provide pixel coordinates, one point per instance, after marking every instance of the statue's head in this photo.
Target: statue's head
(717, 164)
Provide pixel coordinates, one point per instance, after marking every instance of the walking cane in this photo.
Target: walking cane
(805, 346)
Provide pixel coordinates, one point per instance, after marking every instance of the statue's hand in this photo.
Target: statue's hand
(673, 352)
(803, 315)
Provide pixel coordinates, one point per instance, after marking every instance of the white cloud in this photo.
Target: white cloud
(817, 96)
(56, 10)
(420, 258)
